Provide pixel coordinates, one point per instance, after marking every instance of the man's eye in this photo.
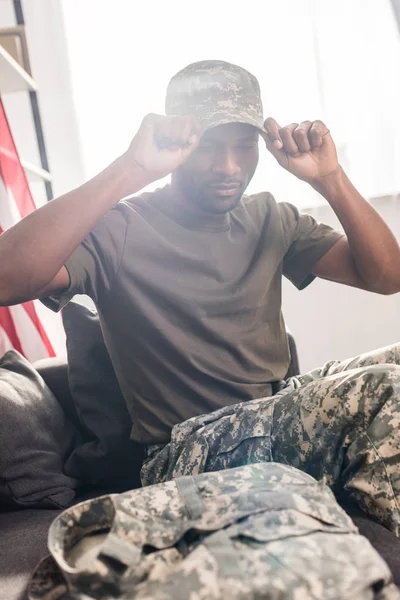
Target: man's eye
(246, 147)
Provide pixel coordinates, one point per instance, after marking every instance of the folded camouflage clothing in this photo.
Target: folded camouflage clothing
(260, 531)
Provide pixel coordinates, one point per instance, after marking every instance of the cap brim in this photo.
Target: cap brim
(224, 118)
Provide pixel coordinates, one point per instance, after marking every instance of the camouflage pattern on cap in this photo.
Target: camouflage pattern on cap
(217, 92)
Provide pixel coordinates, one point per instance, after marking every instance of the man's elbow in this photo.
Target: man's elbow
(11, 293)
(7, 298)
(390, 291)
(387, 286)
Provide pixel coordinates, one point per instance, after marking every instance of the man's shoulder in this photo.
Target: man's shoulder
(261, 199)
(265, 204)
(139, 202)
(125, 212)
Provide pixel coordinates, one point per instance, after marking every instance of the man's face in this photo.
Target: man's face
(217, 173)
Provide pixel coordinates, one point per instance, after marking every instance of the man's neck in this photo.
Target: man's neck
(191, 214)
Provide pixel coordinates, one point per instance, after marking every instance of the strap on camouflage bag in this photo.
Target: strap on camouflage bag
(259, 531)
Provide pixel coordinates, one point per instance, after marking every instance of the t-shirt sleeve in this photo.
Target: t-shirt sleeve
(94, 264)
(307, 241)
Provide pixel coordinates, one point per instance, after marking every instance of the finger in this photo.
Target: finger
(193, 133)
(181, 131)
(188, 136)
(300, 136)
(289, 144)
(317, 131)
(177, 132)
(196, 130)
(162, 132)
(272, 128)
(189, 129)
(279, 155)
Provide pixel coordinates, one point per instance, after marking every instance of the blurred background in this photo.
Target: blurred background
(96, 67)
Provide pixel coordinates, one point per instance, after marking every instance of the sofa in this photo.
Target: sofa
(23, 530)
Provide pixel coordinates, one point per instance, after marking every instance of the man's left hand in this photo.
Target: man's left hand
(305, 150)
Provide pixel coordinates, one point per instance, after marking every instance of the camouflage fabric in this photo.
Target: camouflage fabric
(341, 423)
(259, 531)
(216, 92)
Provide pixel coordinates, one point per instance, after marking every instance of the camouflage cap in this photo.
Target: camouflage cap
(216, 92)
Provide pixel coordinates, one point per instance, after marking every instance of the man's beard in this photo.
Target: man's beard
(205, 198)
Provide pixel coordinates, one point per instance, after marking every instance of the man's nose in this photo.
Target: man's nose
(225, 164)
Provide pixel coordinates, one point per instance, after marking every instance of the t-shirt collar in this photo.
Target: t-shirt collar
(188, 219)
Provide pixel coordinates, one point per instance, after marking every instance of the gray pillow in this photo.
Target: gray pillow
(107, 456)
(35, 440)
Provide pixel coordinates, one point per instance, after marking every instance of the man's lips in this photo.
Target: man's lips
(225, 189)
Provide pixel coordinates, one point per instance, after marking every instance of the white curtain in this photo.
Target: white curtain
(337, 60)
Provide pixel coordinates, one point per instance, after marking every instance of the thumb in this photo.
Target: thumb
(275, 147)
(191, 146)
(179, 152)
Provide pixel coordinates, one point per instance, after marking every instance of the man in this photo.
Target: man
(187, 281)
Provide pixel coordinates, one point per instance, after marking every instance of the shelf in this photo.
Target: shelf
(33, 172)
(13, 78)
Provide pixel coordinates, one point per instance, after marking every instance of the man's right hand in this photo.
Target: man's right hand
(162, 144)
(33, 252)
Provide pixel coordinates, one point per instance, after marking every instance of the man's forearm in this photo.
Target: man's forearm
(34, 250)
(375, 251)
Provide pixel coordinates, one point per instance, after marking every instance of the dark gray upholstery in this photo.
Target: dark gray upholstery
(36, 439)
(55, 373)
(23, 541)
(107, 457)
(383, 540)
(294, 367)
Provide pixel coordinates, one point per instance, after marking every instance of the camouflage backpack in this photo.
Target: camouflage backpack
(260, 531)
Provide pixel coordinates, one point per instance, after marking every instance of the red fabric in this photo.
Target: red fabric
(7, 323)
(16, 203)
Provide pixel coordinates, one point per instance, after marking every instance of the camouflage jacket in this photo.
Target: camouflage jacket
(259, 531)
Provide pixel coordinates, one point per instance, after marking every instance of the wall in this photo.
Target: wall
(50, 69)
(333, 321)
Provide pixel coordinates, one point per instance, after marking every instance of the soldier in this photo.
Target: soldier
(187, 282)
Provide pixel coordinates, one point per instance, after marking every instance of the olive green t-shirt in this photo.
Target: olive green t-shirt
(191, 308)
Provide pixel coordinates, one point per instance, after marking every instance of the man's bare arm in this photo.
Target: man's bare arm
(33, 252)
(370, 256)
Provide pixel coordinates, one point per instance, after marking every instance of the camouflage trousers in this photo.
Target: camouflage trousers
(340, 423)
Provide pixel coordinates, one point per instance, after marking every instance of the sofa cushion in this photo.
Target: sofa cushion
(107, 457)
(35, 439)
(54, 371)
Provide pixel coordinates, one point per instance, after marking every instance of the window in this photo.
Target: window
(332, 59)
